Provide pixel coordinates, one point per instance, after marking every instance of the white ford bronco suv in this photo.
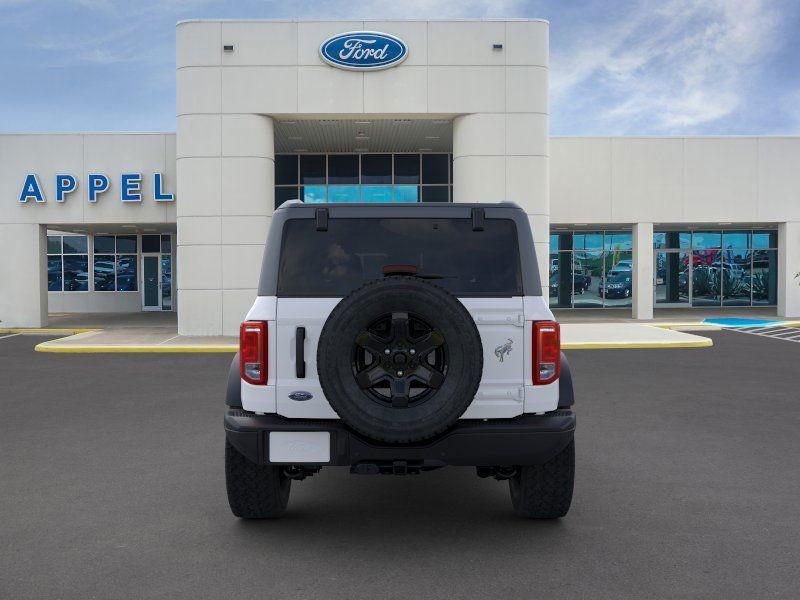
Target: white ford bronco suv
(398, 339)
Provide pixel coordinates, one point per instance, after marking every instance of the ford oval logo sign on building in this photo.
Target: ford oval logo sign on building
(363, 50)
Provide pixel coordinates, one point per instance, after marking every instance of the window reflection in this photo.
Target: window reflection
(405, 177)
(721, 268)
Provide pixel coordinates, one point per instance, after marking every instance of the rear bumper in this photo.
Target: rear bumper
(524, 440)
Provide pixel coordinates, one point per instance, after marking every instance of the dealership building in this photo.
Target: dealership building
(389, 111)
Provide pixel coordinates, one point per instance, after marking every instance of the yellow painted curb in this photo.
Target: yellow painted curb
(98, 349)
(704, 343)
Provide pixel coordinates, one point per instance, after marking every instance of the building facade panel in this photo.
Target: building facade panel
(638, 223)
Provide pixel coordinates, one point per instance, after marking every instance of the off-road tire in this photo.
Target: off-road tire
(445, 404)
(545, 491)
(254, 491)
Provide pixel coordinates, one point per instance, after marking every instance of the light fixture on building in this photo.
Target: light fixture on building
(228, 47)
(426, 149)
(497, 46)
(363, 122)
(301, 150)
(128, 226)
(288, 122)
(402, 121)
(432, 137)
(361, 150)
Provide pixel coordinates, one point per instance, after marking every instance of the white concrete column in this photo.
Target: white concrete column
(226, 174)
(642, 271)
(23, 273)
(504, 157)
(788, 269)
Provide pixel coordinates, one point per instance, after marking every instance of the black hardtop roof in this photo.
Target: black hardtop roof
(433, 210)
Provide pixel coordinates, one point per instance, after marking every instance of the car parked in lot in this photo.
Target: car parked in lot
(618, 285)
(399, 339)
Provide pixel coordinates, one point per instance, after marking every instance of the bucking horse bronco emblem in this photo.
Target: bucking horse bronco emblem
(504, 349)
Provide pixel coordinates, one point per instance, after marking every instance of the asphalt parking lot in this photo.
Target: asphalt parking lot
(688, 481)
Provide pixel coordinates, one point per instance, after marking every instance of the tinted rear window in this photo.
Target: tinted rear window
(351, 252)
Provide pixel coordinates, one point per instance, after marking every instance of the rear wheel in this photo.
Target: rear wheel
(254, 491)
(545, 491)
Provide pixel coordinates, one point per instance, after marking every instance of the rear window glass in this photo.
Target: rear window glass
(351, 252)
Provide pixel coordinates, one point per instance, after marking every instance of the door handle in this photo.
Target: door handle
(300, 352)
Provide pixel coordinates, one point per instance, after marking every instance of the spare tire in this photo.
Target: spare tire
(400, 359)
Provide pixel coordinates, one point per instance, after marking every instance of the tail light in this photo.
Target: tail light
(546, 352)
(253, 352)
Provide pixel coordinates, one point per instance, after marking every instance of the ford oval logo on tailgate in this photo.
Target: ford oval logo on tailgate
(363, 50)
(300, 396)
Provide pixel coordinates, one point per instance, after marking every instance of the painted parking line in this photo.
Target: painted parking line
(789, 334)
(2, 337)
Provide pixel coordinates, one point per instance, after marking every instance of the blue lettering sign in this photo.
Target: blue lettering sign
(98, 184)
(65, 184)
(363, 50)
(158, 195)
(31, 189)
(131, 188)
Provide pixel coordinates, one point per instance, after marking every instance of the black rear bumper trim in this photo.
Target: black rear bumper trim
(524, 440)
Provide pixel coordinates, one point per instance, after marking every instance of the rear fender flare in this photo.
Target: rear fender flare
(233, 395)
(566, 395)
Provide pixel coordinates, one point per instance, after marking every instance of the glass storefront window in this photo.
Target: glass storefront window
(376, 193)
(618, 281)
(736, 239)
(587, 278)
(722, 268)
(588, 241)
(104, 244)
(75, 244)
(104, 272)
(166, 244)
(412, 177)
(283, 194)
(126, 273)
(286, 169)
(151, 243)
(434, 193)
(406, 168)
(76, 273)
(339, 193)
(126, 244)
(618, 241)
(671, 272)
(406, 193)
(54, 244)
(707, 239)
(672, 239)
(376, 168)
(312, 168)
(54, 277)
(765, 277)
(314, 193)
(706, 278)
(434, 168)
(67, 263)
(343, 168)
(735, 277)
(765, 239)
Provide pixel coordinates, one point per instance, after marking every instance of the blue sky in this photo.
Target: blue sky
(617, 68)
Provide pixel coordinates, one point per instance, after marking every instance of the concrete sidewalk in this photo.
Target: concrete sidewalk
(134, 333)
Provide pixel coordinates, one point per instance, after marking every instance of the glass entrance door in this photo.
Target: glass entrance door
(151, 276)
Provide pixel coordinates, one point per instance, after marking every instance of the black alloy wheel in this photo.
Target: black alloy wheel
(400, 358)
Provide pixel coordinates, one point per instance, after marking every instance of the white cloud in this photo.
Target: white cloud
(669, 69)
